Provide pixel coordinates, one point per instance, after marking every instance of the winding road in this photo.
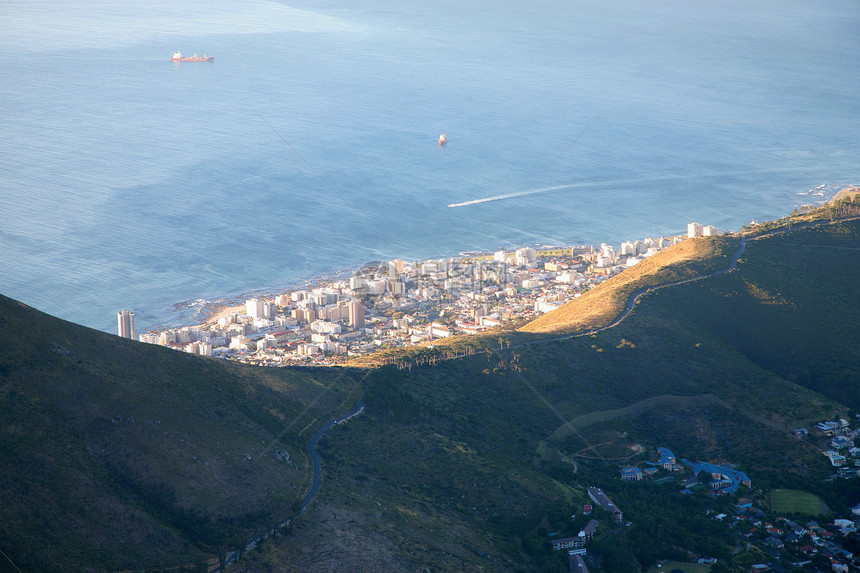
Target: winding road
(631, 301)
(312, 449)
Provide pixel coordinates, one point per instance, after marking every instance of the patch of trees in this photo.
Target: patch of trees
(666, 525)
(388, 402)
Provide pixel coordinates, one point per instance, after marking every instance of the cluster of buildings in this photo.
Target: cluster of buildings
(723, 479)
(400, 304)
(839, 447)
(697, 230)
(575, 546)
(791, 545)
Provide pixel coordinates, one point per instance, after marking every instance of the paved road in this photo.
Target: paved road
(312, 449)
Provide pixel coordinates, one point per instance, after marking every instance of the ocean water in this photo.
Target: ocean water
(309, 145)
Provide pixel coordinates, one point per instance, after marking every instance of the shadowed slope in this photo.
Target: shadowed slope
(123, 455)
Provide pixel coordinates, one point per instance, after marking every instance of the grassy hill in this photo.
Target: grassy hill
(120, 455)
(124, 456)
(599, 306)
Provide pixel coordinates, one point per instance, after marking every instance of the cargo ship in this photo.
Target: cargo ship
(178, 57)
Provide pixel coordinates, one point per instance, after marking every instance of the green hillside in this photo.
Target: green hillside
(468, 463)
(124, 456)
(121, 455)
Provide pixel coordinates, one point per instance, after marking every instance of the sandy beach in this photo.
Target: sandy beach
(222, 311)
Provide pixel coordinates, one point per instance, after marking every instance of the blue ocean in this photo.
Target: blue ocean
(309, 145)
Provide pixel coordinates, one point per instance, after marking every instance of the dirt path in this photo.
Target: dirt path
(585, 420)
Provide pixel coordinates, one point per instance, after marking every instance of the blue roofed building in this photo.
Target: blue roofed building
(666, 457)
(631, 473)
(667, 460)
(724, 479)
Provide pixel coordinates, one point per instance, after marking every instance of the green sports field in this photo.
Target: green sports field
(796, 501)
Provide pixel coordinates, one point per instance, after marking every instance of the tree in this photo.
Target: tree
(616, 555)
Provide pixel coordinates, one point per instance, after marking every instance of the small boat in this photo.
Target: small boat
(178, 57)
(443, 139)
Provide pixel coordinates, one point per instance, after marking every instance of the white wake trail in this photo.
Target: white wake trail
(631, 181)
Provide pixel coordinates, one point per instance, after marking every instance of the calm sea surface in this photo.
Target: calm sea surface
(309, 145)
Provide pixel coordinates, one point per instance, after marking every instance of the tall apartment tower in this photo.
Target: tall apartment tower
(694, 230)
(356, 314)
(254, 308)
(125, 323)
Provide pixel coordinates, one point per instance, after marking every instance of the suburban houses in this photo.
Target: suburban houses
(789, 543)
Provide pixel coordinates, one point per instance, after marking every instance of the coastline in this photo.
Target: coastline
(214, 309)
(221, 312)
(331, 318)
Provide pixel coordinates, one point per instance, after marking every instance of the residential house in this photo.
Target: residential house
(839, 442)
(836, 459)
(566, 543)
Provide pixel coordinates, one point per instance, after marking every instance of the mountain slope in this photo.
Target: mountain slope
(466, 464)
(122, 455)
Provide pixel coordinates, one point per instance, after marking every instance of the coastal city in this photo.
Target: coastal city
(397, 304)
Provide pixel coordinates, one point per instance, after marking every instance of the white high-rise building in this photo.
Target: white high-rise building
(253, 307)
(525, 256)
(629, 248)
(256, 308)
(395, 267)
(125, 323)
(356, 314)
(694, 230)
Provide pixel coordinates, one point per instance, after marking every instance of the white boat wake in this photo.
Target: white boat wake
(512, 195)
(613, 182)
